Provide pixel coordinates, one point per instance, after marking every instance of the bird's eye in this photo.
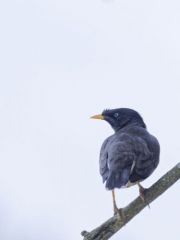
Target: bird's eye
(116, 115)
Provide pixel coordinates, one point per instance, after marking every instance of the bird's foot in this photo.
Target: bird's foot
(119, 213)
(142, 194)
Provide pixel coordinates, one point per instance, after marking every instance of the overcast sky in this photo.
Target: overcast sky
(61, 62)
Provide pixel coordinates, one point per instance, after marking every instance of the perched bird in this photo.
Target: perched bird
(128, 156)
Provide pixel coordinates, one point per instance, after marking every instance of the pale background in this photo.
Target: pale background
(61, 62)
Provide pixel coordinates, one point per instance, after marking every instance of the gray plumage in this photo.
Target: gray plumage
(131, 154)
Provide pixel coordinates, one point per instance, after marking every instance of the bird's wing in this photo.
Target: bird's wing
(146, 160)
(121, 159)
(103, 161)
(118, 158)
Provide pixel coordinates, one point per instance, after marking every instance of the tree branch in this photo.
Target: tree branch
(114, 224)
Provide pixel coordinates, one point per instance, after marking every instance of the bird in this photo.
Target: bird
(128, 156)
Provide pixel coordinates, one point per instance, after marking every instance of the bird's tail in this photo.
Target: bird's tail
(117, 179)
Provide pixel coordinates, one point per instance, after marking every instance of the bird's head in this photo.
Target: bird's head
(121, 117)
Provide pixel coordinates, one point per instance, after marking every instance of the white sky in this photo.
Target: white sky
(61, 62)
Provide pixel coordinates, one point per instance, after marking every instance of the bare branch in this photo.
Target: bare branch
(114, 224)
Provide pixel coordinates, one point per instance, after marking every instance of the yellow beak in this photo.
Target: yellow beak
(99, 116)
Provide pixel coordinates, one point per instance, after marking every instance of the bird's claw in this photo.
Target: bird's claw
(142, 194)
(119, 213)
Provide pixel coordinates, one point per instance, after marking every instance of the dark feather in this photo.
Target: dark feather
(131, 154)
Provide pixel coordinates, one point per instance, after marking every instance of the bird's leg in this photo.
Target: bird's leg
(142, 193)
(114, 202)
(116, 210)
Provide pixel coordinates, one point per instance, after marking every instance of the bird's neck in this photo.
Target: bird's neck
(130, 124)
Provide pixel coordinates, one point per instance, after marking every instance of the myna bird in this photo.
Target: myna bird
(128, 156)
